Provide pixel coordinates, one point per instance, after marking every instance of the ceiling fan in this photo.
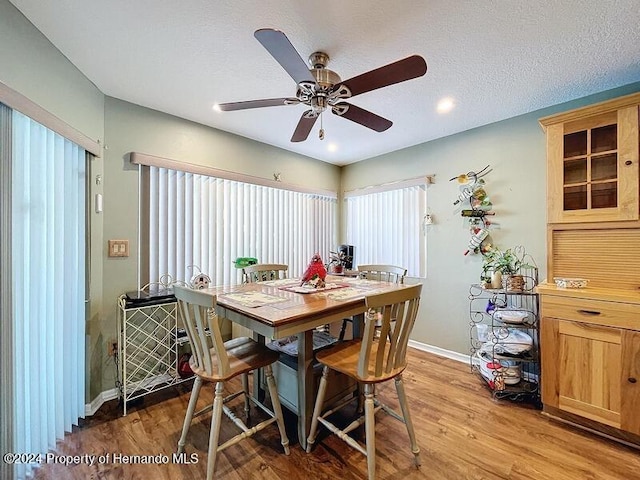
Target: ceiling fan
(321, 88)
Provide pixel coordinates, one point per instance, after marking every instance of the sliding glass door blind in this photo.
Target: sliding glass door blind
(47, 286)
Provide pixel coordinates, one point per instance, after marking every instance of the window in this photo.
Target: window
(195, 220)
(386, 225)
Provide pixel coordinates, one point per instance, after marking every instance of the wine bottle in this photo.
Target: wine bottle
(476, 213)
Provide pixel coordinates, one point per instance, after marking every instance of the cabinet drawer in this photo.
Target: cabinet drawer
(613, 314)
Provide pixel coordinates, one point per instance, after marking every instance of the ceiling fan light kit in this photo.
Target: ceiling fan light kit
(320, 88)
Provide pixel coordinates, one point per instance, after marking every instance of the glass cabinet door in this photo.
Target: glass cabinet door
(591, 168)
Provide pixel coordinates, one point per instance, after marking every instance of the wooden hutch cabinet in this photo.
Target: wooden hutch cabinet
(590, 337)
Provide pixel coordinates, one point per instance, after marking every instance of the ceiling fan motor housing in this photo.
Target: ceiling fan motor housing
(320, 94)
(325, 78)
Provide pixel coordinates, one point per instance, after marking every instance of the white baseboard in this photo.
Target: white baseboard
(459, 357)
(96, 403)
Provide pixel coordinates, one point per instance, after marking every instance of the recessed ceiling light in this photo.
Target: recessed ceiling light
(216, 107)
(332, 147)
(445, 105)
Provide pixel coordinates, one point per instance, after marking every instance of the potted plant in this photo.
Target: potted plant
(337, 261)
(507, 263)
(491, 275)
(485, 275)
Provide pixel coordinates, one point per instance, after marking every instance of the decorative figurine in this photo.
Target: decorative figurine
(315, 273)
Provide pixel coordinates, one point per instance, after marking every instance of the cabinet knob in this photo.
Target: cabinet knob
(628, 162)
(631, 380)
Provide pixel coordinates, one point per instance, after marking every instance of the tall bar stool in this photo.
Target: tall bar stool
(382, 273)
(220, 364)
(261, 272)
(370, 361)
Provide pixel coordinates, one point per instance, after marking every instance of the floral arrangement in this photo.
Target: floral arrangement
(339, 260)
(506, 262)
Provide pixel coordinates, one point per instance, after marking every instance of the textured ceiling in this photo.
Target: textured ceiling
(496, 59)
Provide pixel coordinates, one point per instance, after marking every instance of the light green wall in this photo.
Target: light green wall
(515, 149)
(31, 65)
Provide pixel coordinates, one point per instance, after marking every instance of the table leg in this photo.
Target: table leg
(306, 390)
(358, 325)
(258, 375)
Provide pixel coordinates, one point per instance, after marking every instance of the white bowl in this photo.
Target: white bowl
(511, 316)
(509, 341)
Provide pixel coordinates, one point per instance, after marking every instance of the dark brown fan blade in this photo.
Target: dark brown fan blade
(266, 102)
(396, 72)
(362, 116)
(305, 125)
(280, 48)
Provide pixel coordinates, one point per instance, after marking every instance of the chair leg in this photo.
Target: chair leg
(195, 391)
(402, 398)
(214, 434)
(245, 389)
(370, 429)
(277, 408)
(317, 409)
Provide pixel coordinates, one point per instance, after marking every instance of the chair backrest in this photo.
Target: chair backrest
(261, 272)
(202, 323)
(396, 312)
(383, 273)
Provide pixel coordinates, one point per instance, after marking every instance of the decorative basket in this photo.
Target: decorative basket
(515, 283)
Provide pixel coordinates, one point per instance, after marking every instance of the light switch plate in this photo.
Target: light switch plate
(118, 248)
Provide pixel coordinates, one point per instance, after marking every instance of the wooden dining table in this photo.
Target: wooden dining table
(280, 308)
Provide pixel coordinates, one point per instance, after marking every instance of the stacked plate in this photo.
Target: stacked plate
(491, 369)
(510, 341)
(511, 316)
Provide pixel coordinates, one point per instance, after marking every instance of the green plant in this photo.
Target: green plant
(338, 258)
(507, 262)
(485, 275)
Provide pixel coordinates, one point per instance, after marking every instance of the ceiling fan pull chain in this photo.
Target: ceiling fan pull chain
(321, 132)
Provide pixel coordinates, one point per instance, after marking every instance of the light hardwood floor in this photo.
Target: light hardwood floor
(462, 432)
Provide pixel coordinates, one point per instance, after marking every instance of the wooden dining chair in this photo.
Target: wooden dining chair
(261, 272)
(220, 364)
(370, 361)
(382, 273)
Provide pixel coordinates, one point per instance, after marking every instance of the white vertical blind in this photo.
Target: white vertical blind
(209, 222)
(6, 319)
(48, 267)
(388, 228)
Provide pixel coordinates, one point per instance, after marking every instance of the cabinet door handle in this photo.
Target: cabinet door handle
(589, 312)
(631, 380)
(628, 162)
